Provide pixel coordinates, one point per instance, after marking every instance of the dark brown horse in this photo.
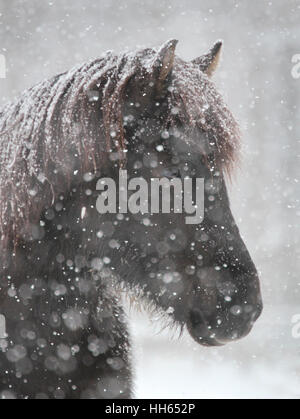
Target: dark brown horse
(63, 265)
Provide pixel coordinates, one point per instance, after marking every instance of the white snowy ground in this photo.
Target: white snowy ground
(264, 365)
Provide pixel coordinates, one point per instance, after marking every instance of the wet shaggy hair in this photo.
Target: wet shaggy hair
(68, 124)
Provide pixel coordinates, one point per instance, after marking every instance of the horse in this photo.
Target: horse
(64, 267)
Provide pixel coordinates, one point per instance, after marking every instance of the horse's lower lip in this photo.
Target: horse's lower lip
(206, 335)
(209, 342)
(204, 339)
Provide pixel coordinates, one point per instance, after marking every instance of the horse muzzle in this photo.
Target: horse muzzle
(223, 327)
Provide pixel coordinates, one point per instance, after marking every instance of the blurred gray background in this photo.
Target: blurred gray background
(41, 38)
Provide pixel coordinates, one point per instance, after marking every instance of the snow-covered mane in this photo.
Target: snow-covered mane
(67, 125)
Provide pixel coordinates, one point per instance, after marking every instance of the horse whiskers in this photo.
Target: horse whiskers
(135, 300)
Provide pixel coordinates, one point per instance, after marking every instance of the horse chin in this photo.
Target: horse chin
(205, 338)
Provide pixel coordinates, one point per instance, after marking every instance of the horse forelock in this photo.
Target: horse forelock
(203, 110)
(66, 125)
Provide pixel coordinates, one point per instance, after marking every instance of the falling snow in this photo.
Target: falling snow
(256, 78)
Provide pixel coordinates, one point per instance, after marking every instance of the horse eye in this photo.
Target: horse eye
(172, 172)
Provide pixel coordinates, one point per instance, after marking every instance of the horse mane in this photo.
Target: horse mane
(64, 127)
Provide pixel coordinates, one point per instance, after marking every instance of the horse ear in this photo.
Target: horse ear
(163, 63)
(209, 62)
